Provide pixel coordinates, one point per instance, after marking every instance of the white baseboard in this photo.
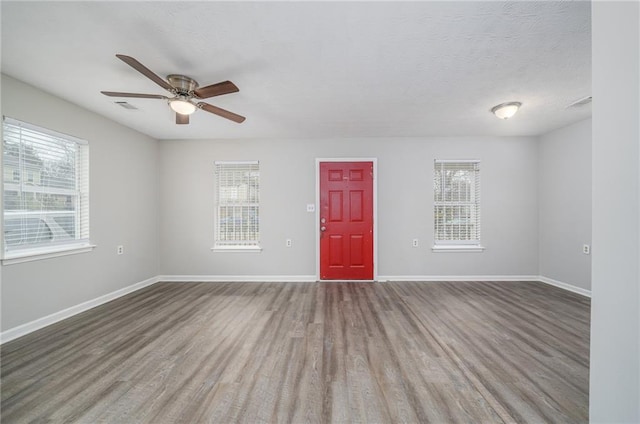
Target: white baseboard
(513, 278)
(565, 286)
(24, 329)
(431, 278)
(237, 278)
(312, 278)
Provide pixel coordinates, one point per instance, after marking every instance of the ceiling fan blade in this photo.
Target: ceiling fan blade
(182, 119)
(144, 71)
(221, 112)
(218, 89)
(138, 95)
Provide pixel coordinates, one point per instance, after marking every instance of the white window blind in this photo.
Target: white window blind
(457, 202)
(45, 189)
(238, 204)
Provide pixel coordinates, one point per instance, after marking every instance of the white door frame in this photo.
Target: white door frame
(316, 224)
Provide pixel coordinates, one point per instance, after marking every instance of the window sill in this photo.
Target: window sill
(236, 249)
(40, 254)
(460, 248)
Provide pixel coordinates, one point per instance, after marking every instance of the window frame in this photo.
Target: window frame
(235, 245)
(80, 242)
(459, 245)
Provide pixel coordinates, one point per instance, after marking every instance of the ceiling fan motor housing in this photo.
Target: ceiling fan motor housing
(184, 85)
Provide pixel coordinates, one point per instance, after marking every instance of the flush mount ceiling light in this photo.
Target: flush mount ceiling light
(506, 110)
(182, 106)
(580, 102)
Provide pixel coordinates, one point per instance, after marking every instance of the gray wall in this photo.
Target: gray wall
(564, 194)
(123, 211)
(615, 308)
(405, 205)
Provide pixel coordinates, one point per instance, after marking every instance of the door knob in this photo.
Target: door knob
(323, 228)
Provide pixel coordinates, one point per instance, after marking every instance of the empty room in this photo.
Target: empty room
(329, 212)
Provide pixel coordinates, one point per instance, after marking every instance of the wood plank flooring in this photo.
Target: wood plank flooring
(414, 352)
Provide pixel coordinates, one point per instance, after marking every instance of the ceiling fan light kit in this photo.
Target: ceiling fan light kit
(506, 110)
(182, 106)
(184, 90)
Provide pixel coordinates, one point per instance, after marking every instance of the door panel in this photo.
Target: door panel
(335, 206)
(346, 221)
(336, 254)
(357, 250)
(356, 201)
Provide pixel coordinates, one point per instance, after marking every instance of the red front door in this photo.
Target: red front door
(346, 220)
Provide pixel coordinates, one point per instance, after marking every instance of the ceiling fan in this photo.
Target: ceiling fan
(185, 92)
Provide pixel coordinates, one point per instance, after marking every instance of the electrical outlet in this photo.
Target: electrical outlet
(586, 249)
(120, 250)
(288, 243)
(414, 243)
(311, 207)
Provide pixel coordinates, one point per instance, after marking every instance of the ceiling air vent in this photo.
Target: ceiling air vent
(126, 105)
(580, 102)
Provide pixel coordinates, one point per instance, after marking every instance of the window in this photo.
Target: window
(48, 211)
(456, 187)
(238, 206)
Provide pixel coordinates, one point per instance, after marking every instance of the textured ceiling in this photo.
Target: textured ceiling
(311, 69)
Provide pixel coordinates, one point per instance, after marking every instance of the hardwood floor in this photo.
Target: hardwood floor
(414, 352)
